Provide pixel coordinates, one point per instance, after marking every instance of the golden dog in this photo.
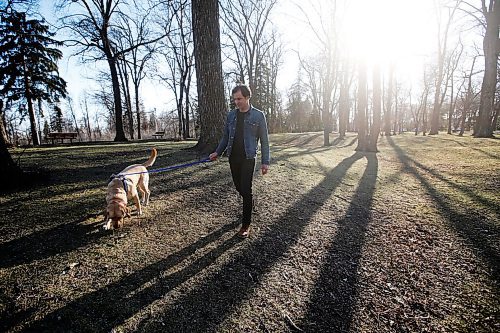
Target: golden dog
(124, 186)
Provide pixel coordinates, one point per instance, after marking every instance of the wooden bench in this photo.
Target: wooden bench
(61, 136)
(159, 134)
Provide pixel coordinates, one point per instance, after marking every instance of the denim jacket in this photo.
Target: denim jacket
(255, 128)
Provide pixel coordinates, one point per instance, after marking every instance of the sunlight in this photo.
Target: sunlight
(388, 31)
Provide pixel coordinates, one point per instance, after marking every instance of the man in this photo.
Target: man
(245, 126)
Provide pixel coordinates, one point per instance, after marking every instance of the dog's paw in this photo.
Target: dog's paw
(107, 226)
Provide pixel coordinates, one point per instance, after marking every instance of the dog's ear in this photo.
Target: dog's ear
(127, 212)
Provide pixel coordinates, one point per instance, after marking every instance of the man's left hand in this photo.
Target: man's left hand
(264, 168)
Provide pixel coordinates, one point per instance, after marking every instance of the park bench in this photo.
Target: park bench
(61, 136)
(159, 134)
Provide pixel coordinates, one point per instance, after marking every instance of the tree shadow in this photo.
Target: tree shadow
(470, 227)
(209, 304)
(42, 244)
(334, 296)
(99, 309)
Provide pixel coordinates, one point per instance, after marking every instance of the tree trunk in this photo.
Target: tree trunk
(343, 105)
(208, 64)
(137, 111)
(377, 110)
(388, 110)
(361, 120)
(483, 128)
(31, 111)
(117, 99)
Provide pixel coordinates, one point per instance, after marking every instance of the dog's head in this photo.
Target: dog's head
(114, 215)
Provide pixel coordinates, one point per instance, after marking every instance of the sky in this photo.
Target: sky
(393, 31)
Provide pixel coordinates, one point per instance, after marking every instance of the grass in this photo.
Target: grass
(405, 240)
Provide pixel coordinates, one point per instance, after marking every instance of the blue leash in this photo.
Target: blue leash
(173, 167)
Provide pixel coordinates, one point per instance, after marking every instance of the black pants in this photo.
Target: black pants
(242, 171)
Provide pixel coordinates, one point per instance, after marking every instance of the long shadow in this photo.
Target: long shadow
(468, 226)
(333, 299)
(66, 235)
(108, 307)
(203, 308)
(49, 242)
(464, 189)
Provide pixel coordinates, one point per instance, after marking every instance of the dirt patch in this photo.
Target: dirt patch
(405, 240)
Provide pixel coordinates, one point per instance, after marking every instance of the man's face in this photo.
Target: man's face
(242, 102)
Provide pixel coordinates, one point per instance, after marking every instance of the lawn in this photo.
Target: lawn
(404, 240)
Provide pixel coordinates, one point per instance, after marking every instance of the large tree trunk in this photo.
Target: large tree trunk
(343, 106)
(388, 109)
(120, 133)
(377, 111)
(483, 128)
(361, 119)
(207, 53)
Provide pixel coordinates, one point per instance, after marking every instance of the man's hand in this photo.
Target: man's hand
(264, 168)
(213, 156)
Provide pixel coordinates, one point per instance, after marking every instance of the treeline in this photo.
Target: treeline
(134, 41)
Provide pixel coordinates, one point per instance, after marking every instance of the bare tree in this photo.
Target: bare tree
(362, 109)
(442, 44)
(245, 23)
(210, 84)
(325, 31)
(94, 32)
(491, 46)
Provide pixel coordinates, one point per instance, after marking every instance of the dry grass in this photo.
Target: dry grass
(405, 240)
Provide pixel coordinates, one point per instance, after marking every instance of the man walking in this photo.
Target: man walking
(245, 126)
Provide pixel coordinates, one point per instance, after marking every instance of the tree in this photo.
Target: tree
(208, 63)
(362, 109)
(441, 51)
(28, 65)
(491, 46)
(94, 30)
(246, 22)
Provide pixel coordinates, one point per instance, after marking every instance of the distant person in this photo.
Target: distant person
(245, 126)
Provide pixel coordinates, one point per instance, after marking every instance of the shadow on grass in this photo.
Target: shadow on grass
(42, 244)
(470, 226)
(208, 305)
(334, 296)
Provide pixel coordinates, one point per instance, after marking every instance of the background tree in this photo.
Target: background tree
(491, 47)
(28, 65)
(210, 84)
(94, 27)
(246, 23)
(442, 43)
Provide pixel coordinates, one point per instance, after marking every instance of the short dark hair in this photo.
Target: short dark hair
(245, 90)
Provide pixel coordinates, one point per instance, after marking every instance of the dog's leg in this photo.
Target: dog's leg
(144, 188)
(137, 203)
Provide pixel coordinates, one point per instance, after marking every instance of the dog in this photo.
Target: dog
(123, 187)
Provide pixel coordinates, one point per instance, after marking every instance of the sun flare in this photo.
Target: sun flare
(388, 31)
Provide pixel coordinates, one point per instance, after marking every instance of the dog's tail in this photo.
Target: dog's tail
(152, 158)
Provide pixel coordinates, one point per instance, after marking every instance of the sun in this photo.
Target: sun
(385, 32)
